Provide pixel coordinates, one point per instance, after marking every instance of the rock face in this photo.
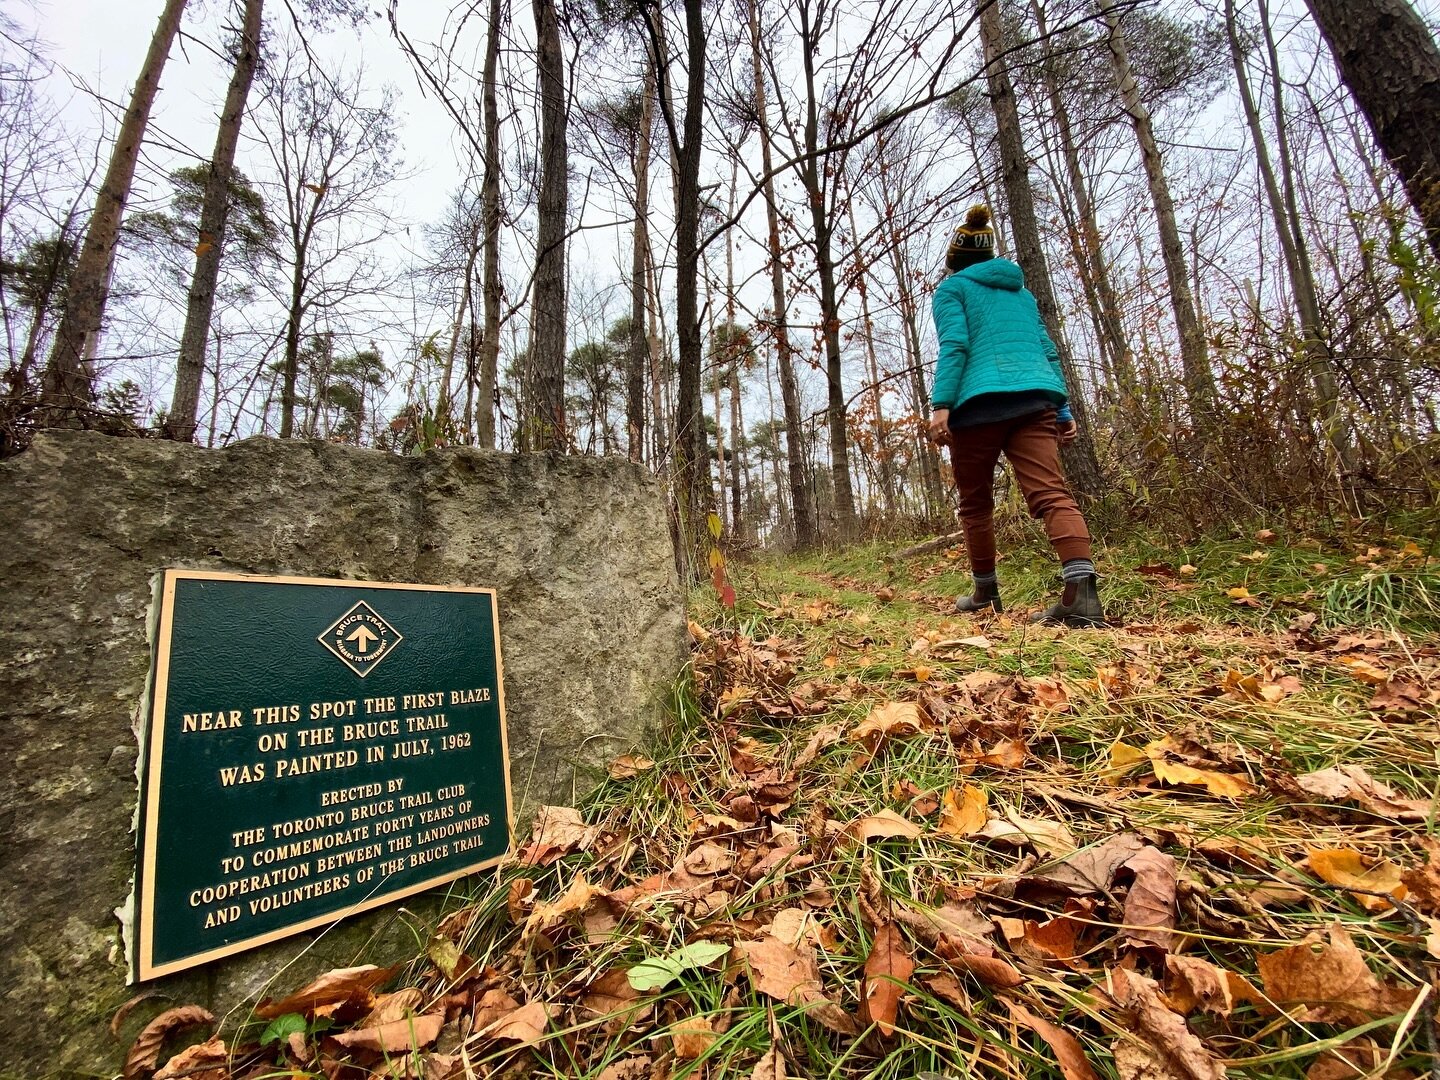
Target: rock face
(592, 632)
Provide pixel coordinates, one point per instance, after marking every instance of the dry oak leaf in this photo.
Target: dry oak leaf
(1331, 981)
(1168, 1048)
(887, 975)
(331, 990)
(1149, 916)
(963, 812)
(145, 1050)
(885, 825)
(895, 719)
(1193, 983)
(209, 1060)
(396, 1037)
(1006, 754)
(1068, 1052)
(693, 1036)
(1351, 783)
(1349, 869)
(526, 1025)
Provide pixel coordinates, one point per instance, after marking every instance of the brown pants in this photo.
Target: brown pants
(1032, 447)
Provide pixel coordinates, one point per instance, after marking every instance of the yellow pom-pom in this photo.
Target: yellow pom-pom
(978, 217)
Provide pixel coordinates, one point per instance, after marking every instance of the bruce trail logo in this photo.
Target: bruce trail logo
(361, 639)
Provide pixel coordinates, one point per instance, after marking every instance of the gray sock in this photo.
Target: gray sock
(1077, 570)
(984, 580)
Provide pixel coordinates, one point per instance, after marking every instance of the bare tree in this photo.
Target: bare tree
(180, 424)
(69, 381)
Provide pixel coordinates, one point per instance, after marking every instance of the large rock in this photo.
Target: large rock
(592, 632)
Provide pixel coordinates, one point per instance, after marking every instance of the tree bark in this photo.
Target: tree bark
(801, 508)
(1081, 466)
(1392, 66)
(1194, 357)
(814, 177)
(489, 360)
(69, 380)
(639, 251)
(543, 423)
(214, 212)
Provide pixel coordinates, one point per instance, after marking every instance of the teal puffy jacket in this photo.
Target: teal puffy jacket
(991, 337)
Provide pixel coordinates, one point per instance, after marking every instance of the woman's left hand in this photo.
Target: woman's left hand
(939, 430)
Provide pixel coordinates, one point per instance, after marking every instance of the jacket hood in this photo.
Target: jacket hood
(995, 274)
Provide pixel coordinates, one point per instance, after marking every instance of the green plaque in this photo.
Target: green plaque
(314, 748)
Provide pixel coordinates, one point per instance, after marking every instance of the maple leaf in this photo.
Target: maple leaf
(1329, 979)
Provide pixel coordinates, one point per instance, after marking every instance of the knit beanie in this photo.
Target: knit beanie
(973, 242)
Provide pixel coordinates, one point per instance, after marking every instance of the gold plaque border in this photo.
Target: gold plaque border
(146, 968)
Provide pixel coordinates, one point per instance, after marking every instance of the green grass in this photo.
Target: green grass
(1161, 671)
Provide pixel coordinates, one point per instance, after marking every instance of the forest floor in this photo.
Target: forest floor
(879, 840)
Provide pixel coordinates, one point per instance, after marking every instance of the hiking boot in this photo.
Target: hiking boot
(986, 595)
(1079, 605)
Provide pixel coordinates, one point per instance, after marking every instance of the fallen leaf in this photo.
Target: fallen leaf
(1091, 869)
(885, 594)
(1124, 757)
(1051, 837)
(780, 971)
(1188, 571)
(548, 917)
(707, 859)
(526, 1025)
(1358, 1059)
(894, 720)
(1423, 882)
(1399, 697)
(887, 973)
(693, 1036)
(396, 1037)
(1330, 979)
(1164, 1040)
(394, 1006)
(823, 736)
(145, 1050)
(1068, 1053)
(963, 812)
(209, 1060)
(1366, 670)
(1349, 869)
(629, 765)
(1265, 536)
(1351, 783)
(994, 972)
(882, 826)
(771, 1066)
(337, 987)
(561, 830)
(659, 972)
(1193, 983)
(631, 1068)
(1006, 754)
(1150, 904)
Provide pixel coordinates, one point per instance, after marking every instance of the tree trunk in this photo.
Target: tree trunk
(1195, 361)
(69, 381)
(1092, 263)
(543, 422)
(640, 246)
(867, 329)
(213, 214)
(490, 217)
(804, 519)
(814, 176)
(1288, 232)
(1081, 466)
(1391, 64)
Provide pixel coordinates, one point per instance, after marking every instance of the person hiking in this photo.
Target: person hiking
(998, 389)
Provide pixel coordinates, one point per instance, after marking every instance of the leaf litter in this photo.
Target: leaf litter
(1176, 850)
